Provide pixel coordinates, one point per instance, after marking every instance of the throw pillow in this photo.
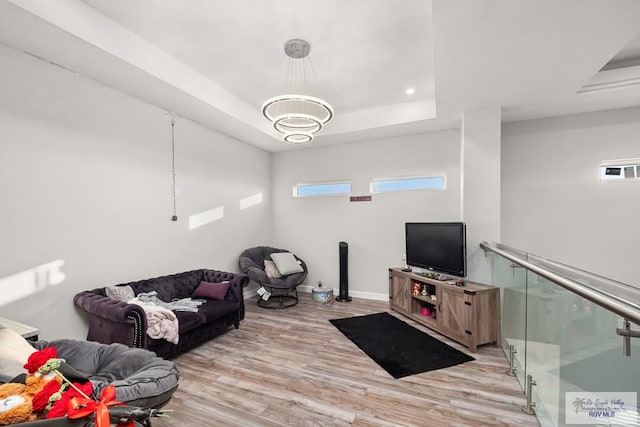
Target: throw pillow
(271, 269)
(212, 290)
(286, 263)
(14, 352)
(121, 293)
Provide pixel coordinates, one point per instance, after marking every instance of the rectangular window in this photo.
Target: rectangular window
(620, 169)
(385, 185)
(322, 189)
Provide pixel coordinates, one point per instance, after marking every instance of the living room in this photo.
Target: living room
(88, 180)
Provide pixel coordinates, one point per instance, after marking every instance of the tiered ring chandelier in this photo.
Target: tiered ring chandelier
(297, 117)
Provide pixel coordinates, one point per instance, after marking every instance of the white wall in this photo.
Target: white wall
(480, 140)
(86, 178)
(312, 227)
(553, 203)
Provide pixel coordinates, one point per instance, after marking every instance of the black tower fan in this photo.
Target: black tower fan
(343, 252)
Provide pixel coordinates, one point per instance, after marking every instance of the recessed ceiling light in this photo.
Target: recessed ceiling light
(410, 91)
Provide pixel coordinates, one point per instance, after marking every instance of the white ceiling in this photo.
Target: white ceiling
(216, 62)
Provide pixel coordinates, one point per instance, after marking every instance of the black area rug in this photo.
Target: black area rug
(400, 349)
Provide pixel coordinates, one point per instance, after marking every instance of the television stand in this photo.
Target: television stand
(468, 313)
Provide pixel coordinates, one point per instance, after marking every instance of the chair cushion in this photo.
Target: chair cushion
(252, 264)
(286, 263)
(140, 377)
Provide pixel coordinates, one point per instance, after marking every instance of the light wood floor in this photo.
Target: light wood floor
(292, 367)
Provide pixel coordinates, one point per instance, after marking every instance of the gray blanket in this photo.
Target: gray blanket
(184, 304)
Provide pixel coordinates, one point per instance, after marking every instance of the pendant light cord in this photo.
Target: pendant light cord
(173, 167)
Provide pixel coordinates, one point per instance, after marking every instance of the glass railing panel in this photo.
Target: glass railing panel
(572, 347)
(512, 283)
(545, 335)
(567, 343)
(598, 369)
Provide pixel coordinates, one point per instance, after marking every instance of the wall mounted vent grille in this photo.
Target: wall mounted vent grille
(616, 170)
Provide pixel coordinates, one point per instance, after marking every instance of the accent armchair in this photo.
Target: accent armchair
(281, 286)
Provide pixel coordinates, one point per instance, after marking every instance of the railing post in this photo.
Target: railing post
(529, 409)
(512, 361)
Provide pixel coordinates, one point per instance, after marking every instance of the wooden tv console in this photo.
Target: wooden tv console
(468, 314)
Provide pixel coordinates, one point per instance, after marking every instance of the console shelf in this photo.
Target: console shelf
(426, 299)
(468, 314)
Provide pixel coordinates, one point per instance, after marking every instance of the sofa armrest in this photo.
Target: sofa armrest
(113, 321)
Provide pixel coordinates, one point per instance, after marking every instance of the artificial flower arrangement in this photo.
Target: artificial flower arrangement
(48, 394)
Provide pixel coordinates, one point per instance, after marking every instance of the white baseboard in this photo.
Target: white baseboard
(248, 293)
(353, 294)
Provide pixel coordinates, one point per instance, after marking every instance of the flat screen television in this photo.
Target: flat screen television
(437, 246)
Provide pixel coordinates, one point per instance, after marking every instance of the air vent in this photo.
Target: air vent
(615, 170)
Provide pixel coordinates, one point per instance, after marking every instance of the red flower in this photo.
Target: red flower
(41, 399)
(59, 409)
(39, 358)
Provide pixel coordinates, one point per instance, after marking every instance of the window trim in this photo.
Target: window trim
(374, 181)
(321, 183)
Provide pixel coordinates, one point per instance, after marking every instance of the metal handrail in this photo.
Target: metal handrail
(620, 308)
(622, 292)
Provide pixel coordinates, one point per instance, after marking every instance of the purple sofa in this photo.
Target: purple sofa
(114, 321)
